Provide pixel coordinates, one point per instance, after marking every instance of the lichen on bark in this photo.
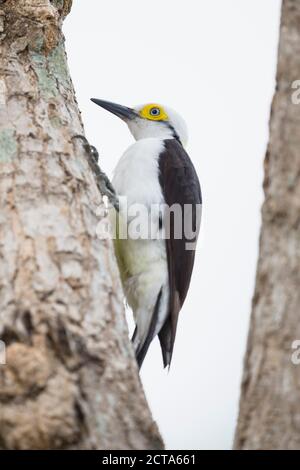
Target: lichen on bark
(70, 380)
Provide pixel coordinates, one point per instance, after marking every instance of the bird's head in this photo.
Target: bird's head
(149, 120)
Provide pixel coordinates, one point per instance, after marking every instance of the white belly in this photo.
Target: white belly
(142, 262)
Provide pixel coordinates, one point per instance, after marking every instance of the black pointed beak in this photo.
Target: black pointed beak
(121, 111)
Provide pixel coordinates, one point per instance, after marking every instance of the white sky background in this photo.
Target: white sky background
(214, 62)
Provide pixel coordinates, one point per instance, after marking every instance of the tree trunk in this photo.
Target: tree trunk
(270, 407)
(70, 379)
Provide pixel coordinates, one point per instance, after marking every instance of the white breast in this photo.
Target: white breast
(136, 174)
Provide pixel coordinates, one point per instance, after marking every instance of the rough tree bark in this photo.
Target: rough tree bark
(70, 380)
(270, 406)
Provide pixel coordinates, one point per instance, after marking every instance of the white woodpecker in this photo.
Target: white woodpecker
(156, 270)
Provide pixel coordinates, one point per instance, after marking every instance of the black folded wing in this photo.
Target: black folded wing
(180, 185)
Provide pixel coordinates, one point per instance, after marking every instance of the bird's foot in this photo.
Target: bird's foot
(104, 185)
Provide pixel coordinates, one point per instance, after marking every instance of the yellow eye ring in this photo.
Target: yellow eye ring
(154, 112)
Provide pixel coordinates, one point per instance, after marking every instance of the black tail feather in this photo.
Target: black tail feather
(142, 350)
(165, 339)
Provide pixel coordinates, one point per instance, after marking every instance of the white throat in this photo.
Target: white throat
(143, 129)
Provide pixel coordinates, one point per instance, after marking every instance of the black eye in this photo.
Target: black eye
(155, 111)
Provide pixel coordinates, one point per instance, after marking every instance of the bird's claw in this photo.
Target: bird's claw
(94, 152)
(104, 185)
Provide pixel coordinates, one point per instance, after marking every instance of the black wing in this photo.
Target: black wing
(180, 185)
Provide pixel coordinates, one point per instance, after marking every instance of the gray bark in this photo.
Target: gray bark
(70, 379)
(270, 407)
